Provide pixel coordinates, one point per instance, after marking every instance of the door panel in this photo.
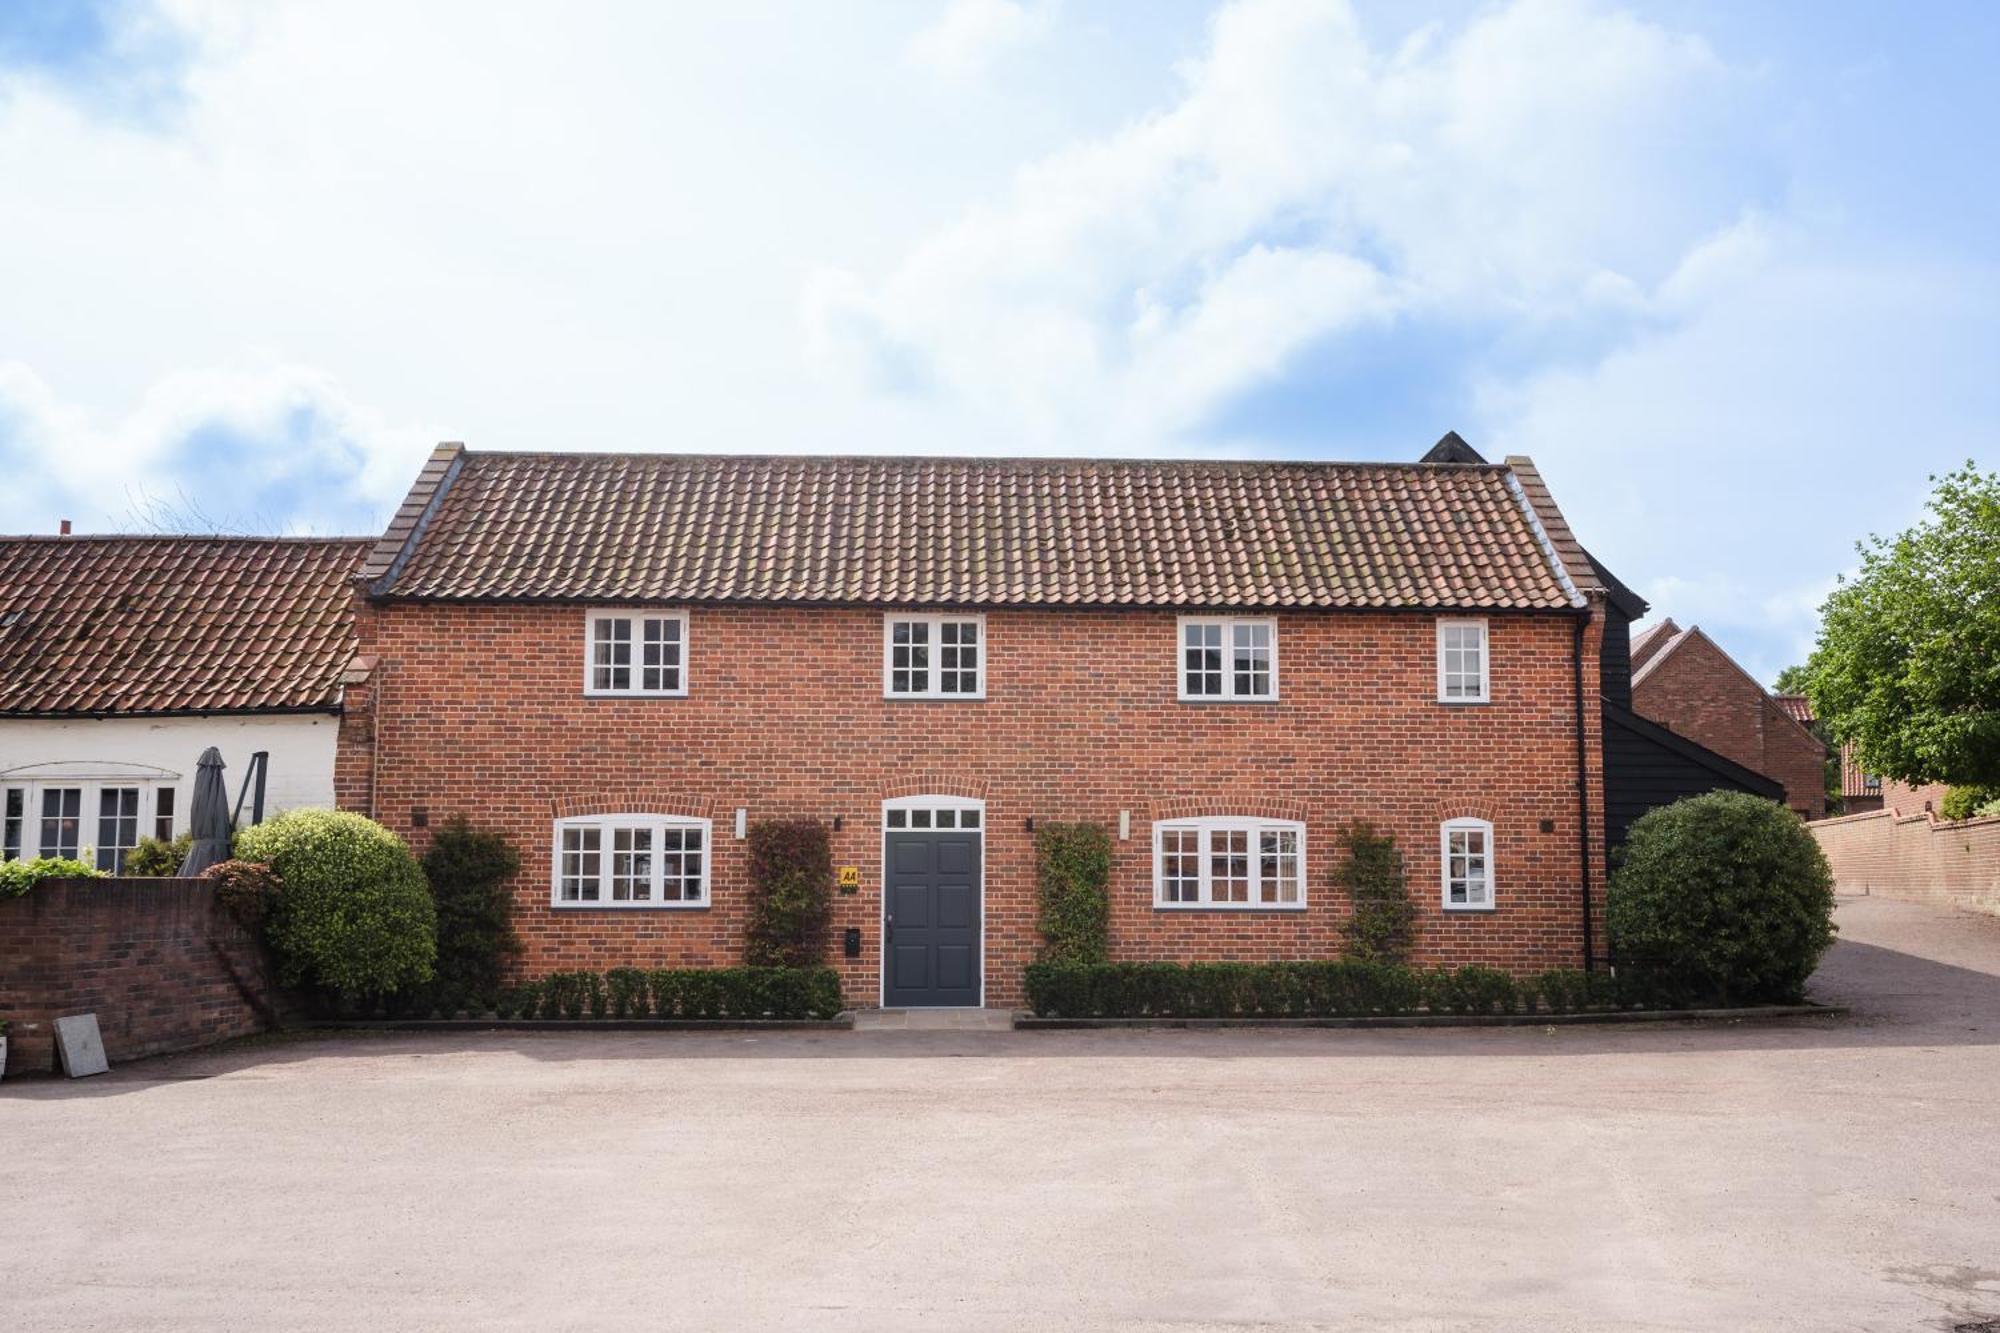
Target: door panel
(933, 919)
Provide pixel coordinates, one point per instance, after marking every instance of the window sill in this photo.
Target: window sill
(1228, 907)
(1213, 699)
(1455, 908)
(1465, 703)
(635, 694)
(934, 698)
(630, 907)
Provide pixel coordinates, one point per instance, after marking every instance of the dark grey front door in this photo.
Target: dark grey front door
(931, 920)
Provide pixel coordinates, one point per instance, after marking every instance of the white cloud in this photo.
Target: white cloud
(971, 34)
(1305, 185)
(281, 448)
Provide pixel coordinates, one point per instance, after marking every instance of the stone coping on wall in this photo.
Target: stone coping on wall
(1890, 812)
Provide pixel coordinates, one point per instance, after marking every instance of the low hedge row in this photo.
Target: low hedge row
(723, 992)
(1338, 988)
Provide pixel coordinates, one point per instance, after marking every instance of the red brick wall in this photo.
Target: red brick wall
(1914, 856)
(479, 709)
(1698, 692)
(159, 963)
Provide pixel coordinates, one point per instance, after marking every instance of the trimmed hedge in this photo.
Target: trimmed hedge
(1072, 879)
(677, 992)
(1340, 988)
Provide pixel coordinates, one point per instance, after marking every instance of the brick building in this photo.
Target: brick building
(621, 661)
(1683, 680)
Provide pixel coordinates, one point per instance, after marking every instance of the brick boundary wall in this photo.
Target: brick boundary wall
(159, 961)
(1917, 857)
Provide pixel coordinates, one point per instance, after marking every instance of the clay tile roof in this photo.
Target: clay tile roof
(136, 625)
(967, 532)
(1797, 706)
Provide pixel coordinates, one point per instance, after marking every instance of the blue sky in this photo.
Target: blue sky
(1729, 272)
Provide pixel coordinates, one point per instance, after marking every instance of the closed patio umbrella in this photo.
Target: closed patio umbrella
(208, 817)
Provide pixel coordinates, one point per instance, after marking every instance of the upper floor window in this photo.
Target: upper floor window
(636, 653)
(1466, 863)
(1229, 659)
(631, 861)
(1461, 661)
(933, 657)
(1229, 863)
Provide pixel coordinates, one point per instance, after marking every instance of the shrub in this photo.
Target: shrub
(628, 987)
(153, 858)
(1564, 990)
(355, 918)
(745, 992)
(1719, 898)
(569, 994)
(17, 877)
(468, 870)
(523, 1000)
(1967, 802)
(1344, 987)
(246, 890)
(1383, 926)
(791, 893)
(1072, 882)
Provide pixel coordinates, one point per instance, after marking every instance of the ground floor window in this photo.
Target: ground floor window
(1242, 863)
(631, 861)
(1466, 862)
(100, 821)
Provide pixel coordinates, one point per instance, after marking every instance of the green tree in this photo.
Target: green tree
(1908, 660)
(1792, 680)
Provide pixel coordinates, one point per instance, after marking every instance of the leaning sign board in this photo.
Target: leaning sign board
(80, 1046)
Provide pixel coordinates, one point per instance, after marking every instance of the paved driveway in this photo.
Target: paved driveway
(1816, 1176)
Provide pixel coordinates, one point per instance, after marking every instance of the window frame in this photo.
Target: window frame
(1207, 825)
(933, 668)
(1466, 824)
(607, 826)
(637, 615)
(1229, 694)
(24, 841)
(1485, 659)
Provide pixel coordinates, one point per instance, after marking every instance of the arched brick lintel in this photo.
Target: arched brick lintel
(634, 803)
(1206, 807)
(935, 784)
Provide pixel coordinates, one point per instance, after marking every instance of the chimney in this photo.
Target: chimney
(65, 528)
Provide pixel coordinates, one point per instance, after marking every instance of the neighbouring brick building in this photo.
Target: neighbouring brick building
(621, 660)
(1682, 680)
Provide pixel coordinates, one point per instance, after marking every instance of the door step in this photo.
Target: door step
(934, 1020)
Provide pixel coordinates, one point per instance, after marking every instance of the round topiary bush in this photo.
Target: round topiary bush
(1720, 898)
(354, 916)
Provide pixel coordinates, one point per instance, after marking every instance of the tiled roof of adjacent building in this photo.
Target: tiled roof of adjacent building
(969, 532)
(150, 625)
(1797, 705)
